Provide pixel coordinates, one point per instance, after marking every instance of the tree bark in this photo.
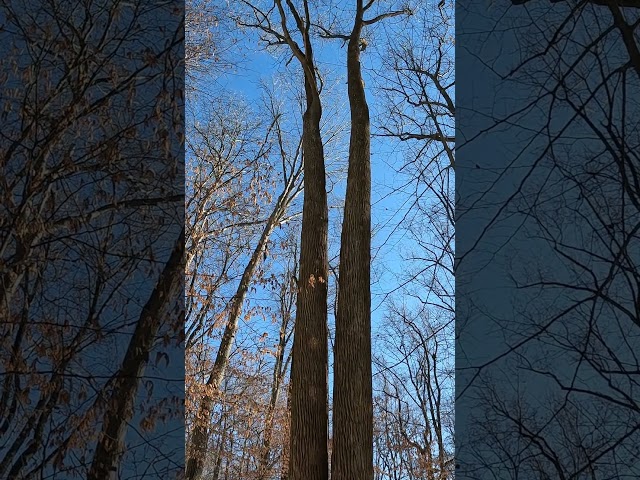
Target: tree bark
(308, 455)
(352, 456)
(308, 449)
(119, 409)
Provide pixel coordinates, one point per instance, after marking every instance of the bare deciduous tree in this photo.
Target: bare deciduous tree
(574, 332)
(203, 207)
(78, 203)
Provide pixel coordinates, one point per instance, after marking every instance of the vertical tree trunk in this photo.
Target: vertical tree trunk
(119, 410)
(308, 455)
(352, 456)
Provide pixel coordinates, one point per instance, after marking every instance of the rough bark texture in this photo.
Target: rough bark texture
(308, 454)
(352, 456)
(120, 405)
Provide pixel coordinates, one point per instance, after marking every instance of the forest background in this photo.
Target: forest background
(244, 176)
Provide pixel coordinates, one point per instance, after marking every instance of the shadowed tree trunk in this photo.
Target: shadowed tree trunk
(119, 410)
(308, 453)
(308, 456)
(352, 454)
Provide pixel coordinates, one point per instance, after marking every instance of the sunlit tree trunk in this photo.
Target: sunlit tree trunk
(352, 456)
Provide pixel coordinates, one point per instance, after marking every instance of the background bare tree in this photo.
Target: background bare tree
(574, 328)
(414, 406)
(90, 164)
(414, 345)
(227, 190)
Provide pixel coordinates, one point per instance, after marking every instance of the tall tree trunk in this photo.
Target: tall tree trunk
(352, 455)
(308, 454)
(119, 410)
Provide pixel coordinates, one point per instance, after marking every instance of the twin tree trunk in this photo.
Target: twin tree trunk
(308, 452)
(353, 408)
(352, 456)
